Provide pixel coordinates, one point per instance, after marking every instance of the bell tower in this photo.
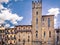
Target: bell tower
(36, 22)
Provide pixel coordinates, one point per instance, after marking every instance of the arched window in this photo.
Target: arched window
(23, 42)
(36, 34)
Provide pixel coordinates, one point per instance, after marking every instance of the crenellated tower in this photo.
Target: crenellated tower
(36, 22)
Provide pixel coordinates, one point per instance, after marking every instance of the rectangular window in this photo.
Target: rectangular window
(14, 37)
(37, 13)
(36, 34)
(44, 34)
(19, 40)
(36, 20)
(48, 22)
(36, 23)
(57, 38)
(28, 36)
(28, 40)
(49, 33)
(36, 27)
(42, 19)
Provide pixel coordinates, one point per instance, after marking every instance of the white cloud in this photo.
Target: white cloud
(1, 7)
(1, 21)
(4, 1)
(7, 14)
(55, 22)
(12, 27)
(7, 25)
(18, 0)
(54, 11)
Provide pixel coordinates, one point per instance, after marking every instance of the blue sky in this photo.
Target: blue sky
(22, 9)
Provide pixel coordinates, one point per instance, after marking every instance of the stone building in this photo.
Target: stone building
(57, 39)
(24, 35)
(10, 36)
(2, 35)
(40, 32)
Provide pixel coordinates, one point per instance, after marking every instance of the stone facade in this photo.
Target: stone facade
(2, 35)
(42, 29)
(41, 32)
(48, 32)
(10, 36)
(57, 35)
(24, 35)
(42, 26)
(36, 23)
